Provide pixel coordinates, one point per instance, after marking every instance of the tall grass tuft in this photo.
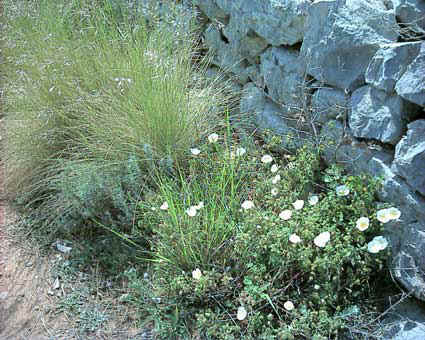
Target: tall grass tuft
(90, 87)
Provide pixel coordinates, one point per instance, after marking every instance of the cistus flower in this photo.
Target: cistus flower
(247, 205)
(285, 214)
(322, 239)
(191, 211)
(294, 238)
(313, 200)
(288, 305)
(212, 138)
(394, 213)
(164, 206)
(377, 244)
(196, 274)
(298, 204)
(240, 151)
(195, 151)
(242, 313)
(362, 223)
(383, 215)
(276, 179)
(274, 192)
(274, 168)
(342, 190)
(266, 159)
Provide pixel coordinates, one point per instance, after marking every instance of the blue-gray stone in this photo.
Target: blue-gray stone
(280, 68)
(389, 63)
(341, 38)
(375, 114)
(409, 160)
(411, 85)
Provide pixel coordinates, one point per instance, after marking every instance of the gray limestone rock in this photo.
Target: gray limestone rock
(405, 321)
(279, 22)
(409, 161)
(389, 63)
(327, 104)
(269, 115)
(243, 41)
(411, 13)
(281, 70)
(211, 9)
(224, 56)
(341, 38)
(408, 265)
(375, 114)
(411, 85)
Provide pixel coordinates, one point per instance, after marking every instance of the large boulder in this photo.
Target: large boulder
(376, 114)
(228, 59)
(356, 157)
(281, 70)
(271, 116)
(279, 22)
(243, 41)
(411, 13)
(409, 161)
(328, 103)
(411, 85)
(405, 320)
(212, 10)
(408, 265)
(389, 63)
(341, 38)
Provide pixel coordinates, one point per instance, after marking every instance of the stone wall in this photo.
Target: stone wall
(350, 72)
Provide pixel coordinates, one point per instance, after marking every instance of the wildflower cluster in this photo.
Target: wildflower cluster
(279, 250)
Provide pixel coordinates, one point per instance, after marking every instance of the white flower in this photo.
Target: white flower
(313, 200)
(266, 159)
(276, 179)
(164, 206)
(362, 223)
(196, 274)
(342, 190)
(195, 151)
(242, 313)
(274, 192)
(322, 239)
(317, 287)
(383, 215)
(240, 151)
(247, 205)
(212, 138)
(191, 211)
(199, 206)
(274, 168)
(377, 244)
(288, 305)
(394, 213)
(285, 214)
(298, 204)
(294, 238)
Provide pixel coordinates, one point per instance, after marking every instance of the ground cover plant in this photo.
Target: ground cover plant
(115, 137)
(285, 255)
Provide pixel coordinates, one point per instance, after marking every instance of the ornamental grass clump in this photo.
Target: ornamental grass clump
(252, 264)
(91, 86)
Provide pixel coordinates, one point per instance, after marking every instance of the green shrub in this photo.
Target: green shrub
(255, 265)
